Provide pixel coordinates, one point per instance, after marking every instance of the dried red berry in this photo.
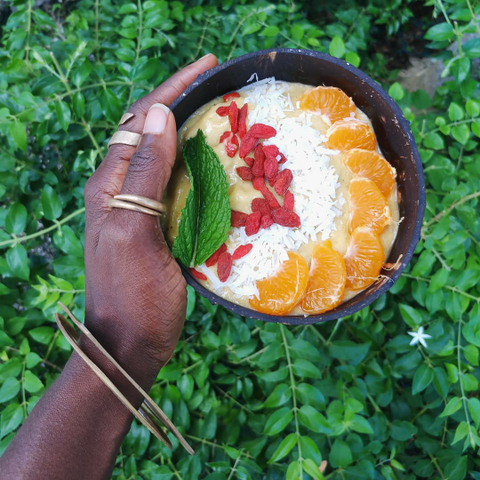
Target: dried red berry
(197, 274)
(253, 223)
(259, 184)
(241, 251)
(267, 221)
(249, 161)
(233, 116)
(242, 121)
(271, 168)
(248, 144)
(261, 205)
(271, 151)
(245, 173)
(224, 266)
(258, 165)
(230, 95)
(283, 159)
(272, 180)
(214, 258)
(283, 181)
(286, 218)
(230, 141)
(222, 111)
(260, 130)
(289, 200)
(238, 218)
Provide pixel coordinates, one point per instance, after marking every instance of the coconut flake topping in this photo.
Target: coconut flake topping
(314, 186)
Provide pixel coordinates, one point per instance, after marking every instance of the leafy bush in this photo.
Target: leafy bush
(256, 400)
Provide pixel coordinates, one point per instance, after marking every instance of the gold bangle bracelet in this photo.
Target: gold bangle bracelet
(142, 201)
(115, 203)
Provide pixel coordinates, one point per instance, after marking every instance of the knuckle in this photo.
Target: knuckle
(143, 160)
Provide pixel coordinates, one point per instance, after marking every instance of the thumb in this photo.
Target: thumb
(151, 164)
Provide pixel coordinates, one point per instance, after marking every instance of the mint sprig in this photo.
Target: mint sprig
(205, 219)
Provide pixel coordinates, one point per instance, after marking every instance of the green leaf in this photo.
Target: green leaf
(312, 469)
(52, 207)
(284, 448)
(278, 421)
(361, 425)
(17, 261)
(455, 112)
(461, 133)
(412, 317)
(471, 48)
(310, 449)
(42, 335)
(402, 430)
(340, 454)
(281, 394)
(440, 33)
(205, 219)
(422, 379)
(396, 91)
(305, 369)
(297, 32)
(461, 432)
(337, 47)
(433, 140)
(313, 420)
(63, 114)
(471, 354)
(270, 31)
(293, 471)
(474, 409)
(32, 382)
(9, 389)
(353, 58)
(19, 134)
(452, 406)
(456, 469)
(11, 418)
(16, 218)
(78, 104)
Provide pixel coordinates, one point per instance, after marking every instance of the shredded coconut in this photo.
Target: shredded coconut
(314, 185)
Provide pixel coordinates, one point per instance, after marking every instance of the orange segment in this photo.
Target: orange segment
(348, 134)
(326, 283)
(330, 101)
(368, 206)
(364, 258)
(371, 165)
(279, 293)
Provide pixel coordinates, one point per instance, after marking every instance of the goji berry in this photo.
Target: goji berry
(272, 180)
(222, 111)
(230, 141)
(261, 205)
(253, 223)
(259, 184)
(233, 116)
(271, 168)
(286, 218)
(283, 181)
(258, 165)
(260, 130)
(248, 144)
(245, 173)
(197, 274)
(214, 258)
(283, 159)
(271, 151)
(289, 200)
(238, 218)
(249, 161)
(241, 251)
(267, 221)
(224, 266)
(242, 121)
(230, 95)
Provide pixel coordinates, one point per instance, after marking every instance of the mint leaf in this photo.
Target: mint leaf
(205, 219)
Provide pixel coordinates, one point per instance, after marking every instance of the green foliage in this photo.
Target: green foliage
(255, 400)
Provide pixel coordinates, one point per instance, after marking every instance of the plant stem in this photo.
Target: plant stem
(57, 224)
(440, 215)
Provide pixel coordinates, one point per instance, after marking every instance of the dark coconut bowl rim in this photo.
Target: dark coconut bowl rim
(404, 127)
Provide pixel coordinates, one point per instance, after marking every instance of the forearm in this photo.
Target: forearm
(76, 429)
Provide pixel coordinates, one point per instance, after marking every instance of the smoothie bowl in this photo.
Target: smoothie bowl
(298, 194)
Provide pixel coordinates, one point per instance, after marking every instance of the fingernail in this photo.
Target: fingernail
(205, 56)
(156, 119)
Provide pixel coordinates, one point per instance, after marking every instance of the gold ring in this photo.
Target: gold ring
(142, 201)
(126, 117)
(125, 138)
(115, 203)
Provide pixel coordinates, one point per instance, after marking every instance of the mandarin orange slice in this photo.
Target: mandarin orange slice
(371, 165)
(326, 283)
(364, 258)
(368, 206)
(348, 134)
(279, 293)
(329, 101)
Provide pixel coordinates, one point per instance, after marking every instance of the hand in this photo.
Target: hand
(135, 292)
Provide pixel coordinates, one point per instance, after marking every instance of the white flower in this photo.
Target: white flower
(419, 336)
